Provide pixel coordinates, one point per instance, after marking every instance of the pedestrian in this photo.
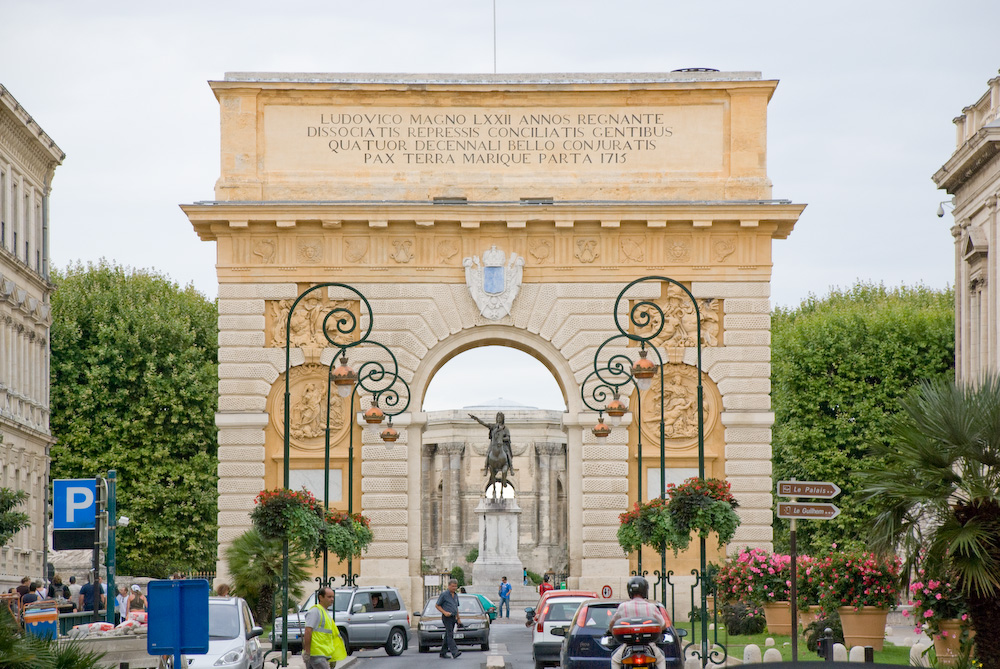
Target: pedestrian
(447, 604)
(504, 593)
(74, 589)
(136, 601)
(22, 589)
(527, 582)
(31, 596)
(121, 603)
(545, 586)
(90, 594)
(222, 590)
(322, 646)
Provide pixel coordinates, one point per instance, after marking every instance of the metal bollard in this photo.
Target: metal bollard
(869, 655)
(827, 645)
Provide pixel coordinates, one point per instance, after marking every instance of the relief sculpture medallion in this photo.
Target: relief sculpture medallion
(679, 393)
(308, 408)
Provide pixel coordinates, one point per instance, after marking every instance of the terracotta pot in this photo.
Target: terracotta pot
(779, 617)
(807, 614)
(947, 645)
(864, 627)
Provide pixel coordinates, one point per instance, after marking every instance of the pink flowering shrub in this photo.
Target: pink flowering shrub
(935, 600)
(755, 576)
(856, 580)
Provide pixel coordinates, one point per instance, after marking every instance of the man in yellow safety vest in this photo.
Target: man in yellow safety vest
(320, 643)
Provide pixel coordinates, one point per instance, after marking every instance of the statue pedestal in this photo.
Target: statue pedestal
(498, 536)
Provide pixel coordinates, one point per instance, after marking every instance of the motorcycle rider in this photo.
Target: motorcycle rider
(638, 606)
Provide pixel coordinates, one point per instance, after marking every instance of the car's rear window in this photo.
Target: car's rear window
(598, 617)
(561, 611)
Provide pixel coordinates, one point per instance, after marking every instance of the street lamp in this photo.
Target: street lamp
(372, 376)
(620, 370)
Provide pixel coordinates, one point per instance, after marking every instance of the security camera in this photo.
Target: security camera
(123, 521)
(940, 211)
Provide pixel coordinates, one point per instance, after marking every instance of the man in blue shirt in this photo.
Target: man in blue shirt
(447, 604)
(504, 593)
(88, 593)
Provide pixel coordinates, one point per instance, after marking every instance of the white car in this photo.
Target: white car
(233, 637)
(557, 611)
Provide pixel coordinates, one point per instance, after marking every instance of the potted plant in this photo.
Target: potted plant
(806, 590)
(861, 587)
(940, 608)
(763, 579)
(697, 505)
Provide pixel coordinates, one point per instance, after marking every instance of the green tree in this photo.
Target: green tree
(938, 492)
(134, 388)
(840, 366)
(11, 521)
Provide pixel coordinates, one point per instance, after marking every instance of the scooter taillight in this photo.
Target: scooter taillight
(639, 659)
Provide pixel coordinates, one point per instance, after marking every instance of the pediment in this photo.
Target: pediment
(976, 246)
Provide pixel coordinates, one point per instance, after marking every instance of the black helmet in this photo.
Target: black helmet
(637, 585)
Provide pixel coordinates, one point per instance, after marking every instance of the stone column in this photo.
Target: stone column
(451, 498)
(548, 468)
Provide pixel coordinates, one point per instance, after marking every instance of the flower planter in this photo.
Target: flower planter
(779, 617)
(864, 626)
(947, 644)
(807, 614)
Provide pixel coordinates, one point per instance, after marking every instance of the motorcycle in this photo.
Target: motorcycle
(639, 637)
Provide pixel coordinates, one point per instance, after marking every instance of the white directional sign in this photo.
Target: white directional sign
(74, 504)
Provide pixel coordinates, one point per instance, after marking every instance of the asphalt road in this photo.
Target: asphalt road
(512, 640)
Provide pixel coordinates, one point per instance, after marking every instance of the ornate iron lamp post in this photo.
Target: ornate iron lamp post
(376, 378)
(619, 370)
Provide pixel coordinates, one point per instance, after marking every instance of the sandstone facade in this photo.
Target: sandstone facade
(404, 187)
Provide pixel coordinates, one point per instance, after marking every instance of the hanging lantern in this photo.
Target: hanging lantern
(601, 430)
(643, 371)
(344, 377)
(615, 410)
(389, 434)
(373, 415)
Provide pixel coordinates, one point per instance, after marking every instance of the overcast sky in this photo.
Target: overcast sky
(859, 123)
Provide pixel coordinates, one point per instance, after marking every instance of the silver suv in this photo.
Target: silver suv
(372, 616)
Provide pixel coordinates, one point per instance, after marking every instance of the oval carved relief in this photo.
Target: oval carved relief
(307, 422)
(680, 406)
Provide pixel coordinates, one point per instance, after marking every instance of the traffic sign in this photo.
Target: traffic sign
(817, 489)
(808, 510)
(74, 504)
(606, 592)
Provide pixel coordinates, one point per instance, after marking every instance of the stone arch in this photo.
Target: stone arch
(498, 335)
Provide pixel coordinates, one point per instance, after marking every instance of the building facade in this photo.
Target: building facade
(972, 177)
(28, 159)
(492, 210)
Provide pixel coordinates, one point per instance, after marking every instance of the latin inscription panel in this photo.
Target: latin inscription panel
(687, 139)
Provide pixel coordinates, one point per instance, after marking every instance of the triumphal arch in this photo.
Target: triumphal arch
(478, 210)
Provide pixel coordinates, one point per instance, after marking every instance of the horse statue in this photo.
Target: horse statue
(499, 458)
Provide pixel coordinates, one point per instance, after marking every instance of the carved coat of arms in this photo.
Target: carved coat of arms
(495, 282)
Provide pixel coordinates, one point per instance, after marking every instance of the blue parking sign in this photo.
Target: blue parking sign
(74, 504)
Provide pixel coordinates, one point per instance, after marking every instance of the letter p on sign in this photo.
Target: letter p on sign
(74, 504)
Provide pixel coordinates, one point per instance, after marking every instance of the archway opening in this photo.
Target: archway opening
(464, 398)
(479, 376)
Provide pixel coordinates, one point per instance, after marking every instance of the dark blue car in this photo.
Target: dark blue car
(582, 647)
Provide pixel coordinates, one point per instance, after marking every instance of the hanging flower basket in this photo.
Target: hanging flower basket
(297, 516)
(697, 505)
(346, 535)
